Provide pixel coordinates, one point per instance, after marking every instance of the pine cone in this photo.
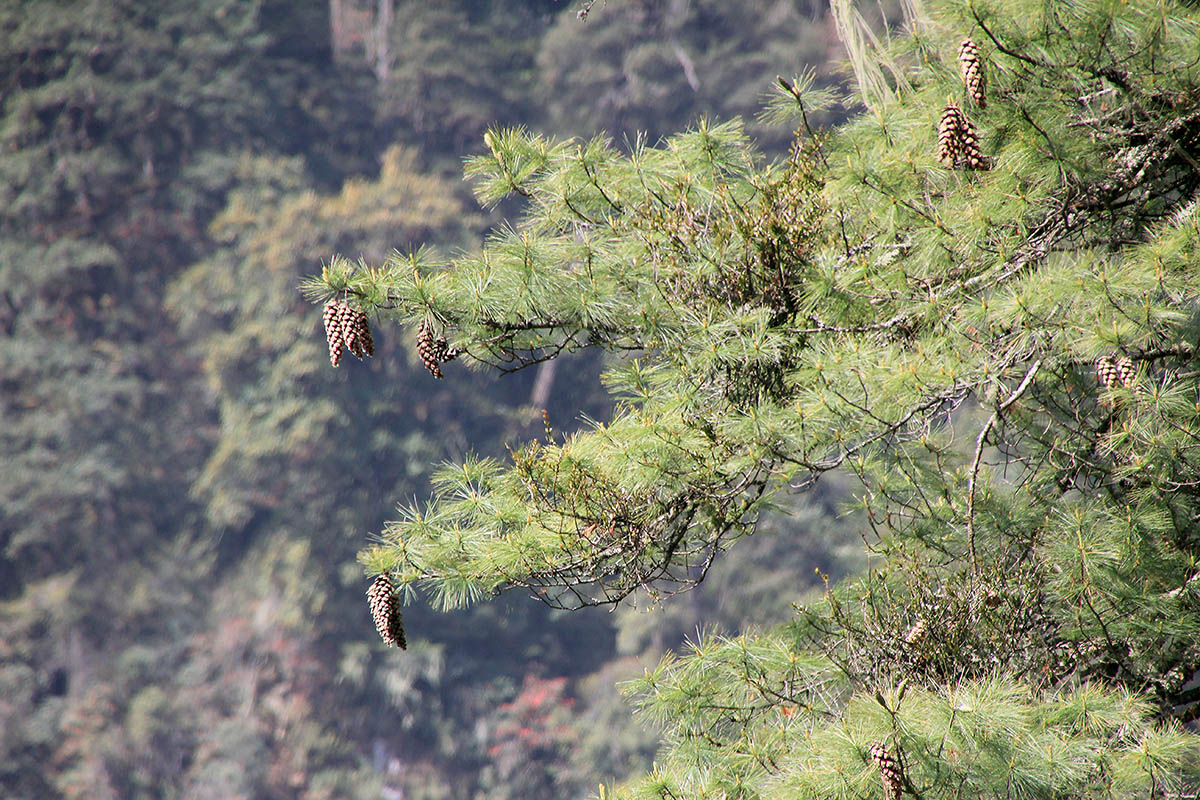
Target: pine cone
(433, 352)
(889, 770)
(385, 609)
(346, 325)
(972, 156)
(364, 335)
(350, 328)
(333, 331)
(950, 135)
(358, 334)
(971, 67)
(1126, 372)
(1106, 372)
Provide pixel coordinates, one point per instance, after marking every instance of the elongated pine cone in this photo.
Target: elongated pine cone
(958, 144)
(889, 770)
(385, 609)
(364, 334)
(333, 331)
(949, 128)
(433, 352)
(971, 67)
(358, 334)
(972, 156)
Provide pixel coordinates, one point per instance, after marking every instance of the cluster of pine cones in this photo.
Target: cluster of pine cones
(958, 143)
(385, 609)
(346, 327)
(434, 351)
(1115, 372)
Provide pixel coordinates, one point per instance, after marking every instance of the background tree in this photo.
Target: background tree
(919, 300)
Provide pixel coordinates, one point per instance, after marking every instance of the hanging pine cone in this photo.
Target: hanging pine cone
(427, 350)
(433, 351)
(970, 65)
(333, 331)
(958, 144)
(364, 334)
(1106, 372)
(358, 334)
(1126, 372)
(385, 609)
(890, 770)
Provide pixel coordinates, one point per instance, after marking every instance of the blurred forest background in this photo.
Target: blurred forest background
(184, 479)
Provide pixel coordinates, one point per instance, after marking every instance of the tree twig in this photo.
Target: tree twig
(987, 428)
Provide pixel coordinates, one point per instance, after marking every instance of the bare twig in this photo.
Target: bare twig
(987, 428)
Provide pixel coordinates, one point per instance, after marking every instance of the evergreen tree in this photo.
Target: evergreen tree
(924, 315)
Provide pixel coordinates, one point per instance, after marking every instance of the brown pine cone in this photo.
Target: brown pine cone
(970, 66)
(971, 156)
(950, 135)
(433, 352)
(356, 323)
(364, 335)
(1106, 372)
(346, 325)
(427, 350)
(333, 332)
(958, 144)
(385, 610)
(890, 771)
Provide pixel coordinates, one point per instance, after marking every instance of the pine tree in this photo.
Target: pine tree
(856, 307)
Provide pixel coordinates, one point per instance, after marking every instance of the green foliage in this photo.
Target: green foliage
(1027, 625)
(631, 499)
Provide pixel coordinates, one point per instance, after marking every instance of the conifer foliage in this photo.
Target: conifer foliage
(1030, 623)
